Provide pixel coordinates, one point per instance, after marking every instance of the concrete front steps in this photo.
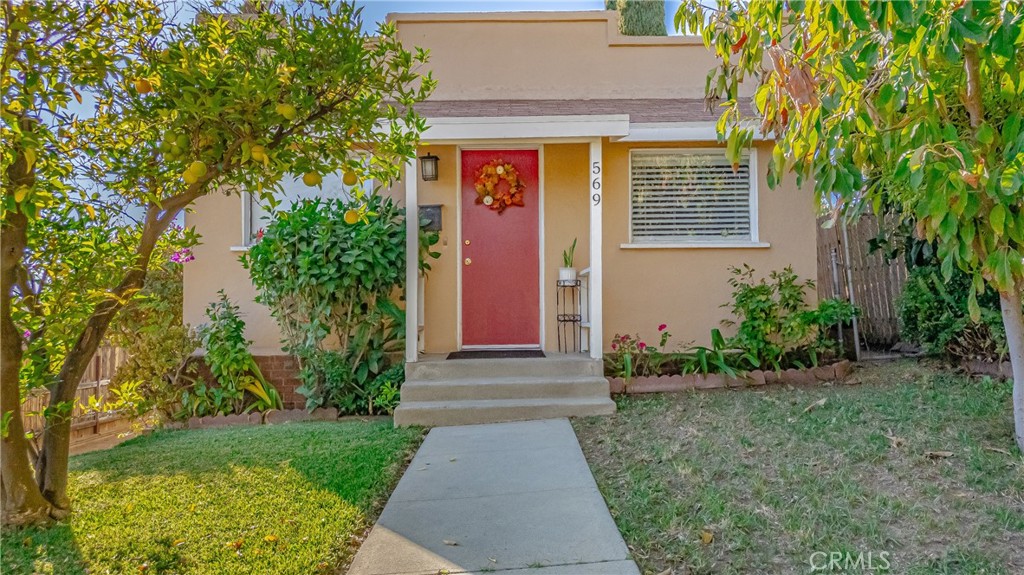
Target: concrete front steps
(441, 392)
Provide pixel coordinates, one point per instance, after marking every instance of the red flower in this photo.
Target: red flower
(624, 338)
(259, 234)
(642, 346)
(662, 327)
(615, 346)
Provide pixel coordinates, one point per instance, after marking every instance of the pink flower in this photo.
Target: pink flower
(27, 334)
(642, 346)
(615, 346)
(662, 327)
(624, 338)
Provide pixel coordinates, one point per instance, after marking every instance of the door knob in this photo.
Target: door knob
(468, 261)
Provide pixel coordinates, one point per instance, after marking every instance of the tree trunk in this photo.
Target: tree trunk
(1013, 321)
(52, 467)
(22, 501)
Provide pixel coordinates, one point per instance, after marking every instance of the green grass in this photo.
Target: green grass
(774, 484)
(291, 498)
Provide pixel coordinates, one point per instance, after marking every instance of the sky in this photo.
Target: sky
(377, 10)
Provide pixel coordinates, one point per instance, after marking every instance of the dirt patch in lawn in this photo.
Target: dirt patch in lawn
(910, 469)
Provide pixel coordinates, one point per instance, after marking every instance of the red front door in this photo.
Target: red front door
(500, 251)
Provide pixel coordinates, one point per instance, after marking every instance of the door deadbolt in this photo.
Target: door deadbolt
(468, 261)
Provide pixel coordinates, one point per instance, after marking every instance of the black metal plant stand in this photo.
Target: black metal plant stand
(567, 305)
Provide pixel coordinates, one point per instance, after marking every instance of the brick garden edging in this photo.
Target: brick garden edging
(270, 417)
(670, 383)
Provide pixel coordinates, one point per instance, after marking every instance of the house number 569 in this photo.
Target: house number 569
(595, 183)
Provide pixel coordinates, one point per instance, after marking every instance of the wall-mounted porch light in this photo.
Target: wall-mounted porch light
(428, 167)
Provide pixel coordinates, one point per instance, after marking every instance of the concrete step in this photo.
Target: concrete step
(467, 412)
(551, 366)
(505, 388)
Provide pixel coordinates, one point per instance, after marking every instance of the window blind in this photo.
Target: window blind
(689, 197)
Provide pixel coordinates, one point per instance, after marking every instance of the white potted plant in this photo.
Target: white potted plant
(567, 272)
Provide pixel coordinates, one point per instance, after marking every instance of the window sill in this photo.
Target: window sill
(695, 245)
(239, 248)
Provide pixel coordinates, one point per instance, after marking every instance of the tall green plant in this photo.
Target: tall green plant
(234, 368)
(639, 17)
(157, 341)
(774, 325)
(330, 281)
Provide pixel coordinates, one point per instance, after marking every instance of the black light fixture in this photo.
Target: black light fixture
(428, 167)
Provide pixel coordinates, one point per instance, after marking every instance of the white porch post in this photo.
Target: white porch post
(596, 236)
(412, 268)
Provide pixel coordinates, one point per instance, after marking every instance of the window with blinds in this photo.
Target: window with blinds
(688, 196)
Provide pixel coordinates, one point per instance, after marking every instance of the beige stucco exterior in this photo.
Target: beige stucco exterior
(560, 56)
(539, 55)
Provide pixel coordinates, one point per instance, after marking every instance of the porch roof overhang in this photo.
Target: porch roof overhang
(462, 129)
(627, 120)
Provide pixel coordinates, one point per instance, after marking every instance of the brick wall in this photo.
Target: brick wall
(282, 371)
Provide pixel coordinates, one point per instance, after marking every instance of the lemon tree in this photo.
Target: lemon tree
(117, 117)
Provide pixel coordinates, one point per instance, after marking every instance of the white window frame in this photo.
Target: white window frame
(753, 242)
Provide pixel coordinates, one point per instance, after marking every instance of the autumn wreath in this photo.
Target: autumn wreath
(491, 194)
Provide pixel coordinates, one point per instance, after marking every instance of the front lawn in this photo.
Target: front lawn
(289, 498)
(911, 462)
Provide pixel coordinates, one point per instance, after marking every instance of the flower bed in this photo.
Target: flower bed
(671, 383)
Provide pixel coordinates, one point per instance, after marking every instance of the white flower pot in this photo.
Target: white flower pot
(566, 274)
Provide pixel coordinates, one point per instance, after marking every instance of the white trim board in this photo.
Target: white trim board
(446, 130)
(676, 132)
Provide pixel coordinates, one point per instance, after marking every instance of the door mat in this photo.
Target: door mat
(496, 354)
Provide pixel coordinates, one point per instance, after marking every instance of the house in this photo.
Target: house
(610, 144)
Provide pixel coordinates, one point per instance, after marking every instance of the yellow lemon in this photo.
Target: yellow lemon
(286, 110)
(198, 168)
(143, 86)
(258, 153)
(350, 179)
(351, 216)
(190, 177)
(311, 179)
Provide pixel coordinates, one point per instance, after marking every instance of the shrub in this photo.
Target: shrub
(933, 313)
(158, 343)
(631, 356)
(151, 331)
(775, 326)
(236, 372)
(775, 329)
(329, 270)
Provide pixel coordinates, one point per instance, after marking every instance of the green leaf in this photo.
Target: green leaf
(855, 11)
(986, 135)
(973, 309)
(997, 219)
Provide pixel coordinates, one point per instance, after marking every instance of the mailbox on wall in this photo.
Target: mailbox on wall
(431, 213)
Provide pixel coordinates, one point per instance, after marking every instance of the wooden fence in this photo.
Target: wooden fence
(95, 383)
(876, 283)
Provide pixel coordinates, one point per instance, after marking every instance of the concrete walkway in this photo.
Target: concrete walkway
(507, 498)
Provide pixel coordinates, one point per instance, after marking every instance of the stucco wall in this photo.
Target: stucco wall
(685, 287)
(643, 288)
(552, 55)
(218, 219)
